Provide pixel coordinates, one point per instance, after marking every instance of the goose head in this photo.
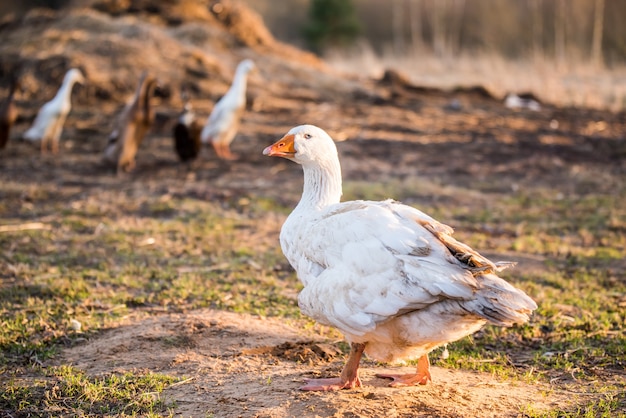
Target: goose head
(246, 66)
(316, 152)
(305, 145)
(74, 75)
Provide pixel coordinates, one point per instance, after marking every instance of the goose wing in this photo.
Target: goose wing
(363, 263)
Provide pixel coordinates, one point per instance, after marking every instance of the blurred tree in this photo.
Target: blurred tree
(598, 29)
(397, 26)
(536, 18)
(332, 23)
(415, 23)
(560, 20)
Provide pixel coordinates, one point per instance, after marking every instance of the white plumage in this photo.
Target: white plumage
(513, 101)
(392, 279)
(48, 124)
(223, 123)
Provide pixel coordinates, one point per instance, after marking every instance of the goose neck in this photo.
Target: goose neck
(238, 88)
(322, 185)
(66, 89)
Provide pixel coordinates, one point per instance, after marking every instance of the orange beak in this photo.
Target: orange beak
(282, 148)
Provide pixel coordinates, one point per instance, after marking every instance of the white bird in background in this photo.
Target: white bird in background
(513, 101)
(223, 123)
(392, 279)
(48, 124)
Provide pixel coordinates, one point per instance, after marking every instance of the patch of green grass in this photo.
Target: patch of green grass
(66, 391)
(94, 270)
(608, 406)
(577, 330)
(178, 254)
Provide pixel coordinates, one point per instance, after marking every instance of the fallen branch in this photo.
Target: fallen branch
(24, 227)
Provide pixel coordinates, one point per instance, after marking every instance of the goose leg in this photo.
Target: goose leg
(217, 148)
(349, 376)
(56, 137)
(54, 147)
(421, 377)
(222, 152)
(228, 155)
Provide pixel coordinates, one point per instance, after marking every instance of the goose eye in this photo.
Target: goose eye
(307, 136)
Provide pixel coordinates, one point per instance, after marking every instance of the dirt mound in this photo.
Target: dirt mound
(112, 52)
(248, 27)
(243, 23)
(193, 42)
(245, 366)
(173, 12)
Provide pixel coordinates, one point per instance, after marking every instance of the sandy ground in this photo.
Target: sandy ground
(236, 365)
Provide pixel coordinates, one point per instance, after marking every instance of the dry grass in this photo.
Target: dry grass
(576, 83)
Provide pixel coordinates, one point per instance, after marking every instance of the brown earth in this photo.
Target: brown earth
(239, 365)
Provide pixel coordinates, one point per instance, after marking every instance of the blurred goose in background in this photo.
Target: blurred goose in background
(525, 101)
(131, 126)
(187, 132)
(223, 123)
(48, 124)
(8, 113)
(392, 279)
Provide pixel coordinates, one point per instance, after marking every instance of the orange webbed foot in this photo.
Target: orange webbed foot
(330, 384)
(420, 377)
(231, 157)
(400, 380)
(349, 375)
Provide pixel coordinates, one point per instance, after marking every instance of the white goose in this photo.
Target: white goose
(392, 279)
(48, 124)
(223, 123)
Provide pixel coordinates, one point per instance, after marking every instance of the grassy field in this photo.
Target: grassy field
(98, 257)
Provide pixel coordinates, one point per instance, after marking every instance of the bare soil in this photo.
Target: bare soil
(239, 365)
